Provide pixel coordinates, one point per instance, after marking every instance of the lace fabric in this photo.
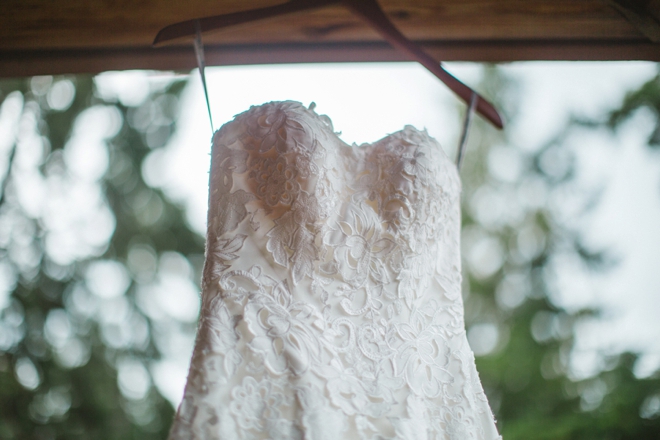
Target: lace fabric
(331, 302)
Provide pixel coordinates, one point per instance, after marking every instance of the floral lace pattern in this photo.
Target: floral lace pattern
(331, 303)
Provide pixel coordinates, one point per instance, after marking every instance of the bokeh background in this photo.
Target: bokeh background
(103, 196)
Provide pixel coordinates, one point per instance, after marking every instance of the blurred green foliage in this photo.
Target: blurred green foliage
(509, 193)
(64, 343)
(648, 97)
(82, 398)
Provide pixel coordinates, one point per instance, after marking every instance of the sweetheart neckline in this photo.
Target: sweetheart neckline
(309, 111)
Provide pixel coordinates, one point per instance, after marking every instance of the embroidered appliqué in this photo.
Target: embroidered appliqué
(331, 303)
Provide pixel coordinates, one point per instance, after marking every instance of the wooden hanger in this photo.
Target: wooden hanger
(369, 10)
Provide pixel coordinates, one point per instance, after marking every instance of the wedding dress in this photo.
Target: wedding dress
(331, 303)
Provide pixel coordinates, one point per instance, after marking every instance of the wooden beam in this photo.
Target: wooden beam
(117, 24)
(643, 14)
(54, 62)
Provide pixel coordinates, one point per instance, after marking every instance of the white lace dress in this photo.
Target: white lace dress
(331, 303)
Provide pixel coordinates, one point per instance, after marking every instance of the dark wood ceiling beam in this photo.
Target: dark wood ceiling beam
(643, 14)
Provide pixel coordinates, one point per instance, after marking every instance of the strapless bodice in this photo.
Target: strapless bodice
(331, 304)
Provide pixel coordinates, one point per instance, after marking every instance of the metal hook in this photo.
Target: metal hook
(466, 128)
(201, 63)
